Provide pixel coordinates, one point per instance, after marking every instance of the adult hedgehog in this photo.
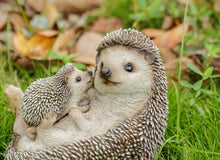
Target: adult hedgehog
(141, 135)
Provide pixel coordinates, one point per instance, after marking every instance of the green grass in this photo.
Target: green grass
(199, 135)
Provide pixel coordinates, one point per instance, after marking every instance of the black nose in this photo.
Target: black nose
(105, 72)
(90, 72)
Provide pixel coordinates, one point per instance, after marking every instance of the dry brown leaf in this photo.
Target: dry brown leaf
(38, 45)
(151, 32)
(106, 25)
(216, 5)
(51, 13)
(20, 43)
(17, 21)
(86, 47)
(8, 6)
(75, 6)
(35, 47)
(36, 5)
(171, 37)
(48, 33)
(66, 37)
(3, 19)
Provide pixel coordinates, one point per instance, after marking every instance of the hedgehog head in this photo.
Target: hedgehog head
(78, 83)
(124, 61)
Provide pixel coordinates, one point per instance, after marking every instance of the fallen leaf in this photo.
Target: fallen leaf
(48, 33)
(36, 5)
(86, 46)
(76, 6)
(66, 37)
(106, 25)
(17, 21)
(38, 45)
(20, 43)
(51, 13)
(8, 7)
(171, 37)
(153, 33)
(35, 47)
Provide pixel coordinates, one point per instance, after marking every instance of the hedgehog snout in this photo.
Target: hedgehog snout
(105, 72)
(90, 72)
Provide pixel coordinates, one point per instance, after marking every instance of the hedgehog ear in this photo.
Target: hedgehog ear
(149, 57)
(66, 79)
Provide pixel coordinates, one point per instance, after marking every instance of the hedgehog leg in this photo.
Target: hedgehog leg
(19, 125)
(47, 121)
(79, 119)
(31, 133)
(84, 105)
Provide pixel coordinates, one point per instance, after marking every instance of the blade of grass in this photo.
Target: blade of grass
(8, 43)
(25, 18)
(179, 72)
(178, 110)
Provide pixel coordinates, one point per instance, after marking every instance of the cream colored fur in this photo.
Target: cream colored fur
(111, 103)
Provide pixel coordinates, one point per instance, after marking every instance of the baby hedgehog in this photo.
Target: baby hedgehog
(47, 95)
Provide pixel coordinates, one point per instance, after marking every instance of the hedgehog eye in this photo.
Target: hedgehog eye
(129, 67)
(78, 79)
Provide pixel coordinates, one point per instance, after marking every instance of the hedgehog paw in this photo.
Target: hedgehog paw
(31, 133)
(48, 120)
(79, 118)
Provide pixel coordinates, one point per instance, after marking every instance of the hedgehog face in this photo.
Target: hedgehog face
(78, 82)
(123, 71)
